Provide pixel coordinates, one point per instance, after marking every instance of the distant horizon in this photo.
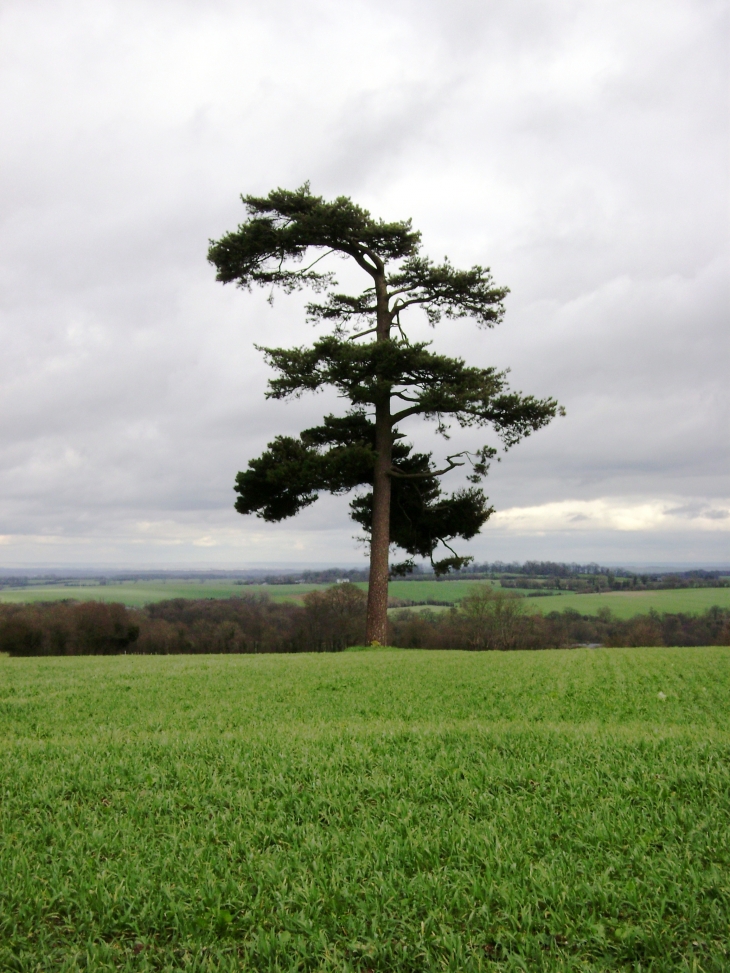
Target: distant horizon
(262, 567)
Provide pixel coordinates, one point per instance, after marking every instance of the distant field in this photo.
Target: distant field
(393, 811)
(139, 593)
(450, 591)
(624, 604)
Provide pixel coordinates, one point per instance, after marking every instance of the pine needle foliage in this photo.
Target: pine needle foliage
(386, 379)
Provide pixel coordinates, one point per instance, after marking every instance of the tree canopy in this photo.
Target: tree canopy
(386, 379)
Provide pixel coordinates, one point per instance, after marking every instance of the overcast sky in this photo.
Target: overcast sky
(577, 147)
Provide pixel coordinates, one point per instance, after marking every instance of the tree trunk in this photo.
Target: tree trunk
(377, 621)
(377, 624)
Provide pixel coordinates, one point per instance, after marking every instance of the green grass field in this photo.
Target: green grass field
(624, 604)
(376, 810)
(139, 593)
(451, 591)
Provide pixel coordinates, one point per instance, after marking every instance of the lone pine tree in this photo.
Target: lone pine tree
(405, 505)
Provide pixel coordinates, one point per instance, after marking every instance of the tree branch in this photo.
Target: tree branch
(361, 334)
(403, 290)
(420, 476)
(379, 265)
(360, 259)
(448, 547)
(305, 269)
(404, 414)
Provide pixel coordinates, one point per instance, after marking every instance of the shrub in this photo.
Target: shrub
(494, 619)
(335, 618)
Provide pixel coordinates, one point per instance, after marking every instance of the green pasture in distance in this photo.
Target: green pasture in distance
(139, 593)
(380, 810)
(451, 591)
(624, 604)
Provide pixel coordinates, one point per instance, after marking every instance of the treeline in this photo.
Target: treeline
(329, 621)
(546, 576)
(597, 583)
(559, 569)
(538, 569)
(326, 576)
(482, 622)
(532, 576)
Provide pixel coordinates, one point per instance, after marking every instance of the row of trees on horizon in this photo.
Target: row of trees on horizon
(330, 621)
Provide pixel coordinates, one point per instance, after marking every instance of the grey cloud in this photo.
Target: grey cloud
(579, 151)
(694, 510)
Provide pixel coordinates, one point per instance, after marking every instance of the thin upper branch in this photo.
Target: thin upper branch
(420, 476)
(361, 334)
(359, 258)
(326, 254)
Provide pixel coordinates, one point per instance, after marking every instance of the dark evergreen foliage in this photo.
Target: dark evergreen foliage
(337, 457)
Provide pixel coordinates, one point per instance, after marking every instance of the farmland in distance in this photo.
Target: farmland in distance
(622, 604)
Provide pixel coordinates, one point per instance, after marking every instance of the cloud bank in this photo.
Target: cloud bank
(578, 149)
